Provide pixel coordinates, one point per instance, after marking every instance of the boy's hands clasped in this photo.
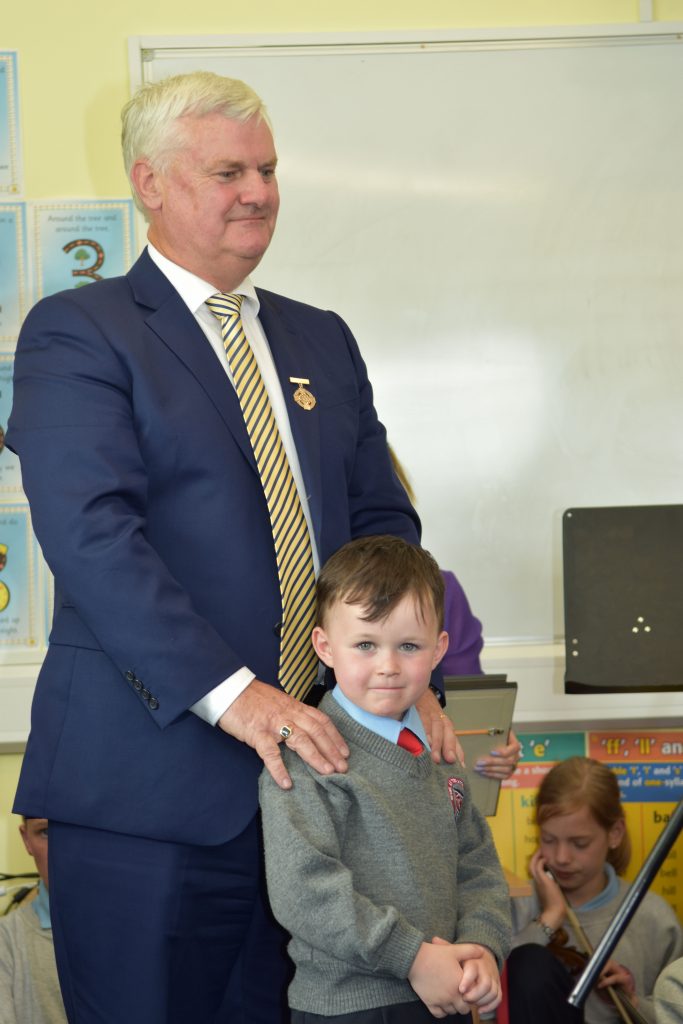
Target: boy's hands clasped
(451, 977)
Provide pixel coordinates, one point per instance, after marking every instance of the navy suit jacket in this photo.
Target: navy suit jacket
(149, 509)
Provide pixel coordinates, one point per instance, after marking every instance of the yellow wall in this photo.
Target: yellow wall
(73, 77)
(74, 60)
(13, 856)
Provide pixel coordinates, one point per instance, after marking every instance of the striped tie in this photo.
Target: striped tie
(298, 661)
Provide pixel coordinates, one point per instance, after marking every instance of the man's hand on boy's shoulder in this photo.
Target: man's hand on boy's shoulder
(440, 732)
(264, 717)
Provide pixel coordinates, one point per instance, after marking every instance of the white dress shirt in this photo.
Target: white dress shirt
(194, 292)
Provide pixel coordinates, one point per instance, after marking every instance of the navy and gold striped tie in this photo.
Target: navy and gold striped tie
(298, 661)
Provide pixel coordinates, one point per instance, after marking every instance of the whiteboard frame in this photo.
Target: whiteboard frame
(140, 47)
(539, 667)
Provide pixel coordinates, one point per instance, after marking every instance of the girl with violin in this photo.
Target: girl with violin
(584, 847)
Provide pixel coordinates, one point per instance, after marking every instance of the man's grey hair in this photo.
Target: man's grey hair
(151, 127)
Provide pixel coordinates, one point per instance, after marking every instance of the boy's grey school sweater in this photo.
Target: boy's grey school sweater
(364, 867)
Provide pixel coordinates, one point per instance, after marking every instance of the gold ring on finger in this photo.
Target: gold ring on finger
(286, 731)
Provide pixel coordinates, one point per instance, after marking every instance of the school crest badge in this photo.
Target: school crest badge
(456, 791)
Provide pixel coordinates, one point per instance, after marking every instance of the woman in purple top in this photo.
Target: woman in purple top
(464, 631)
(465, 641)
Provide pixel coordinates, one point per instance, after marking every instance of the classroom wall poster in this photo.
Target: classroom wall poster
(10, 472)
(10, 146)
(649, 769)
(18, 580)
(78, 242)
(14, 296)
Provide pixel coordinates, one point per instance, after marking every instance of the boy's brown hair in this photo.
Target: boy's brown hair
(377, 573)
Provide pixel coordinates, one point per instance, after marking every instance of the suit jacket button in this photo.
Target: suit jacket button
(145, 694)
(153, 704)
(130, 675)
(277, 629)
(137, 685)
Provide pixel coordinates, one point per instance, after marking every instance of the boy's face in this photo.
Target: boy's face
(34, 833)
(383, 667)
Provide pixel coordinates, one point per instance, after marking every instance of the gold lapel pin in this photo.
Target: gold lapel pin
(301, 396)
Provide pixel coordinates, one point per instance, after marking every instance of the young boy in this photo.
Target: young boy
(386, 877)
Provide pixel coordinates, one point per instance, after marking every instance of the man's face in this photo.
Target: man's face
(213, 211)
(383, 667)
(34, 833)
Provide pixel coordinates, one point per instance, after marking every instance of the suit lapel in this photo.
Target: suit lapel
(173, 323)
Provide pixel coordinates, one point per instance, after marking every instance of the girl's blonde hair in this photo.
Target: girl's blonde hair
(399, 470)
(582, 782)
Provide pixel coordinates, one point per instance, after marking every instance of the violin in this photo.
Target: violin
(575, 960)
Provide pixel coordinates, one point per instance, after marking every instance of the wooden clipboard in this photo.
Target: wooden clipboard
(475, 705)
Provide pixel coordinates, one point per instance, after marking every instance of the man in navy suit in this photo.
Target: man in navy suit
(159, 702)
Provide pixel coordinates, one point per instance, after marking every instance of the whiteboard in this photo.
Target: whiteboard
(500, 221)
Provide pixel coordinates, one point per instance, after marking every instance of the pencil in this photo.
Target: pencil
(479, 732)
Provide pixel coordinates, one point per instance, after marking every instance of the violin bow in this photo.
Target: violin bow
(627, 1011)
(630, 903)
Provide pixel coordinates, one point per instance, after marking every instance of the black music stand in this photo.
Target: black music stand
(623, 595)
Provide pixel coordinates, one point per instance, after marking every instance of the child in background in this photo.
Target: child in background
(584, 847)
(668, 996)
(386, 877)
(29, 988)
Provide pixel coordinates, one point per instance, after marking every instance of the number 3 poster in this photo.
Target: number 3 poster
(76, 243)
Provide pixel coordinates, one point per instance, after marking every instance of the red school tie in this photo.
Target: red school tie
(409, 741)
